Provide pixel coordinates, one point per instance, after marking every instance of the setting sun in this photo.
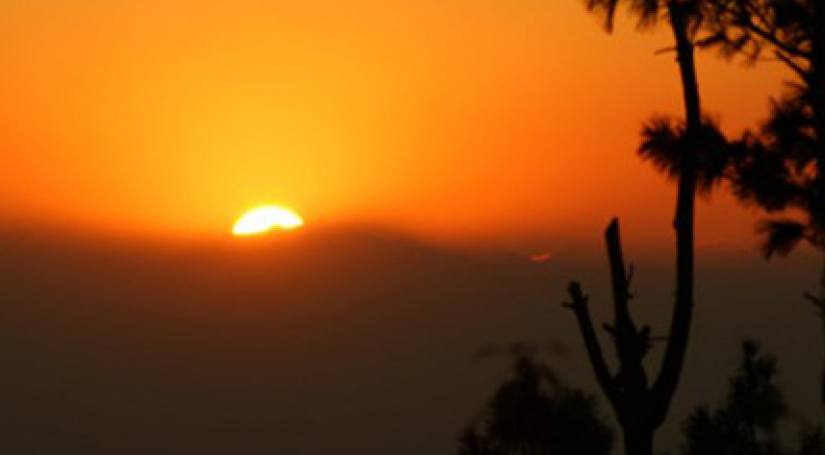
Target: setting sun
(264, 219)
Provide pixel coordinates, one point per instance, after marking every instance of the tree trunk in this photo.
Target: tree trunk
(647, 411)
(676, 349)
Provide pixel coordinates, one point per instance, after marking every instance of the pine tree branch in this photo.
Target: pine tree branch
(789, 61)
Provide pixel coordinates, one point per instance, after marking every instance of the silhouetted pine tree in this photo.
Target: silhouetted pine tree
(781, 167)
(692, 152)
(747, 421)
(534, 413)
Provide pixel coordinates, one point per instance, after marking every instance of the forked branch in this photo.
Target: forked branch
(591, 342)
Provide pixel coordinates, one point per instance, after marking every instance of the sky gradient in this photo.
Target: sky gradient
(493, 121)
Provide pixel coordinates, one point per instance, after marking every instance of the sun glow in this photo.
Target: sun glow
(266, 218)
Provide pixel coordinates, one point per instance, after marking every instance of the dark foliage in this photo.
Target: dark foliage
(779, 170)
(534, 413)
(747, 420)
(781, 166)
(668, 147)
(781, 236)
(649, 12)
(812, 441)
(752, 28)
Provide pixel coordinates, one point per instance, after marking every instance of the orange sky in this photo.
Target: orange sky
(491, 119)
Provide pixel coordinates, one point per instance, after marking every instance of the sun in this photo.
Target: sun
(264, 219)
